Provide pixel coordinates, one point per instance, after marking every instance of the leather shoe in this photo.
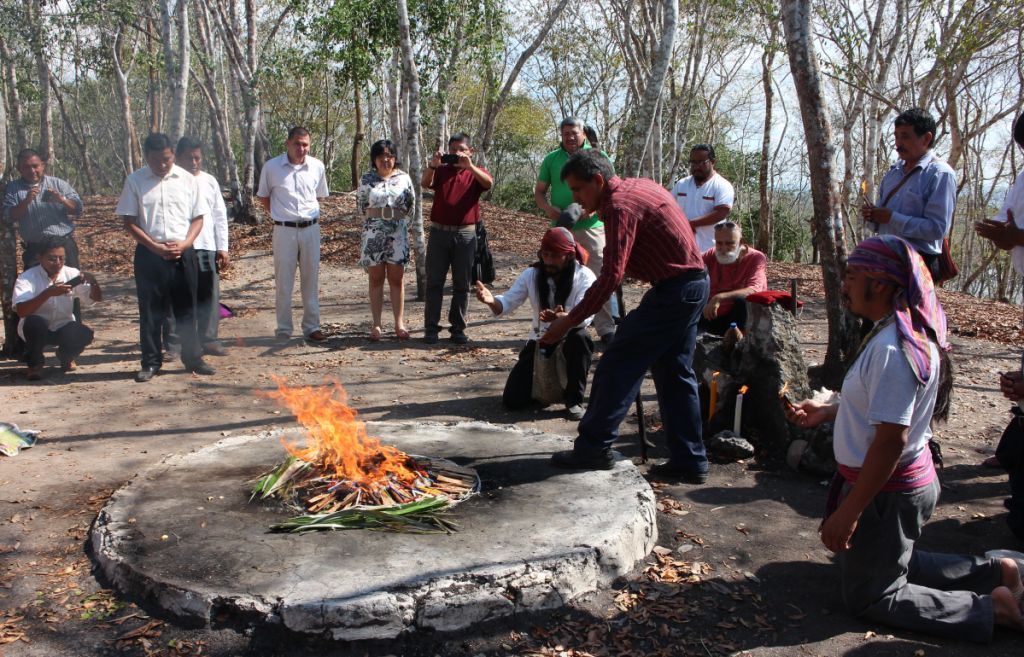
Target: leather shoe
(573, 460)
(430, 338)
(145, 374)
(201, 368)
(214, 349)
(667, 470)
(459, 338)
(317, 336)
(34, 373)
(574, 412)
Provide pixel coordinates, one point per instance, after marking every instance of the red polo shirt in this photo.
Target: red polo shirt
(749, 271)
(647, 237)
(456, 196)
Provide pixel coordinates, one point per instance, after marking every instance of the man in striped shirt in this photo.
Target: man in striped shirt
(648, 238)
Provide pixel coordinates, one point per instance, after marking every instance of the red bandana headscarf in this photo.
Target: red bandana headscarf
(560, 240)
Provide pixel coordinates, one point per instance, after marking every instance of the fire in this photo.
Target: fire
(337, 442)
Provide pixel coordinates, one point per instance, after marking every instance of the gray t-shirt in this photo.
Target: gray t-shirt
(43, 219)
(881, 387)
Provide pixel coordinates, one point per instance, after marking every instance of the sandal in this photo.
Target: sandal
(375, 334)
(401, 333)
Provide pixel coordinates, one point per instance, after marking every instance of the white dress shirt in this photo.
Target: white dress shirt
(293, 189)
(57, 311)
(214, 236)
(1014, 202)
(525, 288)
(697, 201)
(163, 207)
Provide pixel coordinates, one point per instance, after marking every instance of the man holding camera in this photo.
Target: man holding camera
(44, 298)
(458, 185)
(42, 206)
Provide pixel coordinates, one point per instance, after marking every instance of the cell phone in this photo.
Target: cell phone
(450, 158)
(48, 195)
(76, 281)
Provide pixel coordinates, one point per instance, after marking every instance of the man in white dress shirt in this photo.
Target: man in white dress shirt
(163, 210)
(44, 298)
(290, 186)
(553, 285)
(211, 246)
(705, 197)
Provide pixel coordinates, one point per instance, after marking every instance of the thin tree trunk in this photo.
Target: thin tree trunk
(77, 137)
(395, 100)
(132, 155)
(13, 97)
(8, 246)
(636, 135)
(828, 227)
(412, 85)
(176, 65)
(227, 166)
(39, 38)
(764, 242)
(154, 101)
(357, 137)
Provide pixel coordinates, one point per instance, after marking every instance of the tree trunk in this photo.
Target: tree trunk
(80, 140)
(764, 241)
(132, 152)
(828, 227)
(154, 102)
(636, 135)
(8, 247)
(395, 100)
(13, 97)
(227, 166)
(357, 137)
(40, 38)
(176, 65)
(412, 85)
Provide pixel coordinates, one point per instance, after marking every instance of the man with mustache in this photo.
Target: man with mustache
(736, 271)
(554, 285)
(885, 488)
(918, 195)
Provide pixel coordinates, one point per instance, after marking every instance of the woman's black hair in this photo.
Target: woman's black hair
(378, 149)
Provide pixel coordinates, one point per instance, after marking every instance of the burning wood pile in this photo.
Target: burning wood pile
(346, 479)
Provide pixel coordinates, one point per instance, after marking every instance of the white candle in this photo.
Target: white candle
(739, 410)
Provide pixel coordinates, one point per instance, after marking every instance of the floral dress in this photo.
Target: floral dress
(385, 240)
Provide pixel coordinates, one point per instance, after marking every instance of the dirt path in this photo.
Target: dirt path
(743, 572)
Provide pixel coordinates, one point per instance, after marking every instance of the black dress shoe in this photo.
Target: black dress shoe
(200, 368)
(145, 374)
(214, 349)
(669, 471)
(573, 460)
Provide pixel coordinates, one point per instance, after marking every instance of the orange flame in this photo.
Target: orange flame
(743, 390)
(337, 442)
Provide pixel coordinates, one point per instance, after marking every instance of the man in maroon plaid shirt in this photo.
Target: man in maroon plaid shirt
(648, 238)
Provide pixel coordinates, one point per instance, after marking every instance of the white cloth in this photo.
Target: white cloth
(293, 189)
(214, 236)
(163, 207)
(525, 288)
(1014, 202)
(881, 387)
(697, 201)
(297, 247)
(57, 311)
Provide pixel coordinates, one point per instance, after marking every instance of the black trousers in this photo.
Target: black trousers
(160, 283)
(719, 325)
(579, 351)
(71, 339)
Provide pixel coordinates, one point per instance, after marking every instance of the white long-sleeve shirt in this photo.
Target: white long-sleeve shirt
(525, 288)
(214, 236)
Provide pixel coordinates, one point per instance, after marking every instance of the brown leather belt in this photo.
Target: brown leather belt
(295, 224)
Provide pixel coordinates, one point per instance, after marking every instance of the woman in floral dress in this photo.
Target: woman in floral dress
(385, 200)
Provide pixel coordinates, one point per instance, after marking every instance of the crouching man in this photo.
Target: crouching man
(886, 488)
(553, 285)
(44, 298)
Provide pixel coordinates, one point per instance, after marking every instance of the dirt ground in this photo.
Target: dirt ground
(740, 569)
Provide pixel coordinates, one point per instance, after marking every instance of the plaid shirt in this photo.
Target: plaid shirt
(647, 237)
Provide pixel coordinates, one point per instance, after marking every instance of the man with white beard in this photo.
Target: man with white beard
(736, 271)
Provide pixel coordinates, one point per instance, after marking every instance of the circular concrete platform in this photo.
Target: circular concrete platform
(184, 539)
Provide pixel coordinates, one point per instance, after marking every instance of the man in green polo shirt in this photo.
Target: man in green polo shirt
(588, 231)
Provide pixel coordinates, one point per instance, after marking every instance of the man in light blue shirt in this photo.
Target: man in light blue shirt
(918, 195)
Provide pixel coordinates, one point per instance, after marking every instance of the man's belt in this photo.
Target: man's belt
(384, 213)
(451, 229)
(690, 275)
(295, 224)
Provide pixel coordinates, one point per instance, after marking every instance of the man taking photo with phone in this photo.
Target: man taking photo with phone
(44, 300)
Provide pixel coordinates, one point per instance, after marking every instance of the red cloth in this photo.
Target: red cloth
(560, 240)
(768, 297)
(456, 197)
(647, 237)
(751, 270)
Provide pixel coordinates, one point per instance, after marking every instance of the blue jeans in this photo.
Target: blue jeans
(658, 335)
